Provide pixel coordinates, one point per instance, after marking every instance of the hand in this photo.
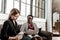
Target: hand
(31, 32)
(21, 33)
(15, 37)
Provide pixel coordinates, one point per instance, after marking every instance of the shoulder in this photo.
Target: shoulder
(7, 21)
(34, 23)
(24, 23)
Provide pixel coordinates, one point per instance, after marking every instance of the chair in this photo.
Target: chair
(45, 35)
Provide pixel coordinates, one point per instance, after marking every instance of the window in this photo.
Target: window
(22, 9)
(38, 8)
(25, 7)
(33, 8)
(0, 5)
(16, 4)
(43, 9)
(9, 6)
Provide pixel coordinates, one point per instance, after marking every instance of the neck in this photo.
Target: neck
(29, 22)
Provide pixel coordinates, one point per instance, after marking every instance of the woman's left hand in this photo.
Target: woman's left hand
(31, 32)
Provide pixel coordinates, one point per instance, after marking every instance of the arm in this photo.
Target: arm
(36, 28)
(4, 30)
(23, 29)
(18, 27)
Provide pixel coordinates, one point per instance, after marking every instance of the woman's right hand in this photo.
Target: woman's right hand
(15, 37)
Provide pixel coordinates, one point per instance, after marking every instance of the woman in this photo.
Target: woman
(29, 26)
(30, 29)
(10, 28)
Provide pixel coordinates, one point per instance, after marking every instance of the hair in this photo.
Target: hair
(13, 12)
(30, 15)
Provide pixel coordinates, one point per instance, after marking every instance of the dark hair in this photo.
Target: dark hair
(30, 15)
(14, 11)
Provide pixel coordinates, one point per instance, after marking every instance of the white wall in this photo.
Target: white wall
(22, 19)
(48, 14)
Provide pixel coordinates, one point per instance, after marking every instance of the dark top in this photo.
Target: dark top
(30, 26)
(9, 29)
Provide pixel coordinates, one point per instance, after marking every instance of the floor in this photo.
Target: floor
(55, 38)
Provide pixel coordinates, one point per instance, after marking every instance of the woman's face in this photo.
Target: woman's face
(30, 19)
(14, 17)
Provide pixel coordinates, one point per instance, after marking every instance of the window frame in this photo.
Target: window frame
(4, 4)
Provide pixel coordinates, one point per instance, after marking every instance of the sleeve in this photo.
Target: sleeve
(4, 30)
(36, 28)
(18, 29)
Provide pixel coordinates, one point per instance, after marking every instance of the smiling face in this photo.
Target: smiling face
(30, 18)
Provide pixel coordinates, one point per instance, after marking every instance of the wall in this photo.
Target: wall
(48, 14)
